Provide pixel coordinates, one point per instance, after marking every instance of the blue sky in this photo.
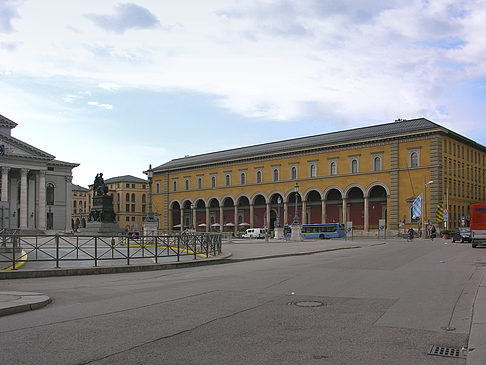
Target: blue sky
(116, 86)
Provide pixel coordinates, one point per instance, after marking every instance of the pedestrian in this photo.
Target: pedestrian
(410, 234)
(433, 233)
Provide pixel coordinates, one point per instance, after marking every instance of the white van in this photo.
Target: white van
(254, 233)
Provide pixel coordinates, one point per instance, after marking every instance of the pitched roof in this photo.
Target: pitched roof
(5, 122)
(125, 179)
(79, 188)
(400, 127)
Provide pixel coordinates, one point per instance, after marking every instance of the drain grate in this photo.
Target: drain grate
(446, 352)
(308, 304)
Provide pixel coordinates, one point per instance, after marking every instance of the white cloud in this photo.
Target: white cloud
(109, 86)
(100, 105)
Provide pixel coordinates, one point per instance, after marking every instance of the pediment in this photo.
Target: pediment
(12, 147)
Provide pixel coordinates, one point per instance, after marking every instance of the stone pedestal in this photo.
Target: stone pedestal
(279, 233)
(296, 231)
(101, 220)
(150, 228)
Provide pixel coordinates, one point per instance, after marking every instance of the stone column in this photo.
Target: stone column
(41, 212)
(286, 213)
(267, 216)
(69, 194)
(323, 211)
(194, 222)
(345, 210)
(236, 219)
(208, 223)
(5, 171)
(23, 198)
(221, 217)
(251, 215)
(169, 220)
(304, 212)
(182, 219)
(366, 214)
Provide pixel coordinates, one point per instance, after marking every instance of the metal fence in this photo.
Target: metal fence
(61, 250)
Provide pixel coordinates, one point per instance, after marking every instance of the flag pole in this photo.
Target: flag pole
(422, 205)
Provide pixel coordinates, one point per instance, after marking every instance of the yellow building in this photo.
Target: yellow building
(129, 200)
(360, 175)
(80, 205)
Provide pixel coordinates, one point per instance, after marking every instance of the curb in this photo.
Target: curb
(15, 302)
(476, 354)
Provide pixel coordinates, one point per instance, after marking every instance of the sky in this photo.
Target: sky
(116, 86)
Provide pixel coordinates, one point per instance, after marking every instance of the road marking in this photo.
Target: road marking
(20, 264)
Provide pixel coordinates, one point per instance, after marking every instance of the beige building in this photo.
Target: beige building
(80, 205)
(130, 200)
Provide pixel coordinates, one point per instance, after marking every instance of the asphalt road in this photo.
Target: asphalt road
(382, 304)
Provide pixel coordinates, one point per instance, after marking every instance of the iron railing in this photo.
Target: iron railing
(18, 249)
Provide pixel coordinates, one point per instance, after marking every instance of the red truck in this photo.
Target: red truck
(478, 224)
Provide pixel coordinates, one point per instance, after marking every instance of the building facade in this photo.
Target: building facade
(129, 200)
(35, 187)
(360, 175)
(80, 206)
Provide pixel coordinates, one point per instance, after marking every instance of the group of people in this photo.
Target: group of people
(432, 232)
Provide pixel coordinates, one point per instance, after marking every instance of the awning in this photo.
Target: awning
(202, 225)
(215, 225)
(176, 226)
(229, 224)
(244, 224)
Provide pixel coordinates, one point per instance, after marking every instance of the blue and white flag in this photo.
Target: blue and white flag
(417, 207)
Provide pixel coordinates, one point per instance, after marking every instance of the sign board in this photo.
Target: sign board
(382, 225)
(349, 227)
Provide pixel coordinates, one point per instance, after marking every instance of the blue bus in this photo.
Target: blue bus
(322, 231)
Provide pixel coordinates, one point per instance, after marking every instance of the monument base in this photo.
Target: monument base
(100, 229)
(279, 233)
(296, 231)
(150, 228)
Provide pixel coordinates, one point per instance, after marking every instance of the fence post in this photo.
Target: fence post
(128, 249)
(178, 247)
(96, 251)
(156, 250)
(193, 238)
(13, 252)
(57, 251)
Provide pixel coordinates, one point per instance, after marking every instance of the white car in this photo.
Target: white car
(254, 233)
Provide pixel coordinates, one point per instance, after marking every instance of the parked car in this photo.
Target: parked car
(254, 233)
(461, 234)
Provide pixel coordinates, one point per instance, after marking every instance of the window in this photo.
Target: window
(333, 169)
(174, 185)
(275, 174)
(199, 182)
(186, 184)
(242, 178)
(127, 219)
(354, 166)
(133, 208)
(293, 173)
(157, 187)
(127, 186)
(313, 170)
(144, 186)
(259, 177)
(414, 159)
(377, 163)
(127, 197)
(133, 197)
(127, 208)
(74, 204)
(227, 180)
(143, 198)
(213, 181)
(50, 194)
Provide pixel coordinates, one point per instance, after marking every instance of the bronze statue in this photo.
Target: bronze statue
(99, 186)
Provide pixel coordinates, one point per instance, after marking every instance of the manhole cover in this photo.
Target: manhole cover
(308, 304)
(446, 352)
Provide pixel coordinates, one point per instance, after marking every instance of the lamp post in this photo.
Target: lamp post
(425, 205)
(296, 217)
(149, 224)
(279, 201)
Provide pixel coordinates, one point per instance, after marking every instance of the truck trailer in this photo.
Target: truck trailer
(478, 224)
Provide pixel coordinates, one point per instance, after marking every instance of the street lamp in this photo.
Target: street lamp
(296, 217)
(279, 201)
(150, 213)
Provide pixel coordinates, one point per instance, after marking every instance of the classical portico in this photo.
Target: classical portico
(35, 188)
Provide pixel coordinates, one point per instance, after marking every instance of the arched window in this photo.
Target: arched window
(242, 178)
(50, 194)
(377, 164)
(293, 174)
(313, 171)
(259, 177)
(80, 205)
(227, 180)
(354, 167)
(143, 198)
(414, 159)
(213, 181)
(133, 197)
(333, 169)
(275, 175)
(127, 197)
(174, 187)
(74, 204)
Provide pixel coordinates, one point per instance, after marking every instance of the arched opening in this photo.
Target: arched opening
(276, 210)
(355, 207)
(176, 216)
(187, 215)
(313, 209)
(201, 224)
(214, 224)
(334, 206)
(243, 213)
(228, 215)
(376, 206)
(292, 204)
(259, 208)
